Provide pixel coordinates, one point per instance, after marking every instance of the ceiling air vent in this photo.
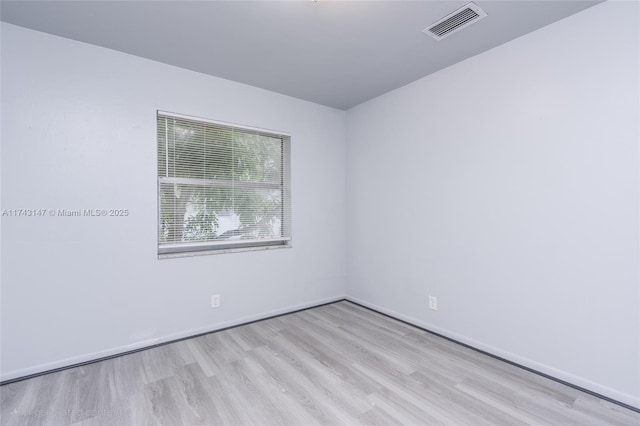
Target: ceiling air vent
(455, 21)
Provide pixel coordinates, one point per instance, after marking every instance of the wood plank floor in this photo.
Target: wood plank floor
(338, 364)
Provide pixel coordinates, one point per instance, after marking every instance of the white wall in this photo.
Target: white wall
(78, 131)
(512, 183)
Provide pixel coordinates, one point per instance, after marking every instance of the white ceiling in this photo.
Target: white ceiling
(336, 53)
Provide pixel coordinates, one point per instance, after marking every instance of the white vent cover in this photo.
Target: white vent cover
(455, 21)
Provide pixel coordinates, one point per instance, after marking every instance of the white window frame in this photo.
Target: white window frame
(169, 250)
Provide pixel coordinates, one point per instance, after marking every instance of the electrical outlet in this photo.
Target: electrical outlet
(215, 300)
(433, 303)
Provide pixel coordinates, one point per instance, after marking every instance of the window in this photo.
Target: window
(221, 186)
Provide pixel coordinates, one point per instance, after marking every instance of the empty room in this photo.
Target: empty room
(320, 212)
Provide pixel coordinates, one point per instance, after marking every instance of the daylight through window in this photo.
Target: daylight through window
(221, 186)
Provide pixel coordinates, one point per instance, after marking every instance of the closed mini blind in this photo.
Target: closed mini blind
(221, 186)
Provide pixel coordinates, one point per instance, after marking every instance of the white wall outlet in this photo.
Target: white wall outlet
(215, 300)
(433, 303)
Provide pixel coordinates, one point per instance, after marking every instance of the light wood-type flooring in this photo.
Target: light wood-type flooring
(338, 364)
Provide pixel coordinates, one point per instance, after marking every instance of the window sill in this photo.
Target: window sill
(221, 251)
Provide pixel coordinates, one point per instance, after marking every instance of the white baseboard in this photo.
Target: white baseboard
(66, 362)
(625, 398)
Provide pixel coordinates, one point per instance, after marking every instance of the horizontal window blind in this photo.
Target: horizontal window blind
(221, 186)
